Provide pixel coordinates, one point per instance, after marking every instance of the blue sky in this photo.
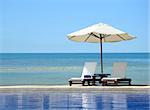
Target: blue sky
(41, 26)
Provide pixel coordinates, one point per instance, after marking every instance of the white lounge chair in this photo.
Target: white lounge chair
(118, 75)
(87, 73)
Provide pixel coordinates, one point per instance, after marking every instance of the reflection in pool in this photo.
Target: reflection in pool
(73, 101)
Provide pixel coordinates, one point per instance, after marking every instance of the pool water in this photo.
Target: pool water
(74, 101)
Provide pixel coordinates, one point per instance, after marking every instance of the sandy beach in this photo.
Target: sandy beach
(75, 88)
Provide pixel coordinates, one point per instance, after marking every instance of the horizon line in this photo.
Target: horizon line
(68, 52)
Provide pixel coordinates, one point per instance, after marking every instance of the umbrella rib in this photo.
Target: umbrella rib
(87, 37)
(95, 35)
(72, 37)
(120, 37)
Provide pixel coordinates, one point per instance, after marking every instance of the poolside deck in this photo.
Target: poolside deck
(75, 88)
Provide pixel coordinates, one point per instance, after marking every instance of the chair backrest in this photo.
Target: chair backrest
(119, 69)
(89, 69)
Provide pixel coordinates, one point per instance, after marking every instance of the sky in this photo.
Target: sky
(41, 26)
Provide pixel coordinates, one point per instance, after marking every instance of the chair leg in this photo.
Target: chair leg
(70, 83)
(116, 82)
(100, 81)
(129, 83)
(83, 83)
(104, 83)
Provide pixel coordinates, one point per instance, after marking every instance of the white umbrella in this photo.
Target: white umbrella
(99, 33)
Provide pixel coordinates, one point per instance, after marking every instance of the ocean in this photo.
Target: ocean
(57, 68)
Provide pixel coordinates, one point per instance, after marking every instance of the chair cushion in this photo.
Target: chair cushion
(75, 79)
(79, 79)
(110, 79)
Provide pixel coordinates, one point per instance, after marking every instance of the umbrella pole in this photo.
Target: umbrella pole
(101, 54)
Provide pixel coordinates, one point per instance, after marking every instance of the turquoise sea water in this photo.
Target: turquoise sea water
(57, 68)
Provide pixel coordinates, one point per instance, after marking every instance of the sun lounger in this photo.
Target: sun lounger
(87, 73)
(118, 75)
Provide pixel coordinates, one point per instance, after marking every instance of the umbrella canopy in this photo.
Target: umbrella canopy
(99, 33)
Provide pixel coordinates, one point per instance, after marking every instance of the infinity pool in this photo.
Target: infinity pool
(74, 101)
